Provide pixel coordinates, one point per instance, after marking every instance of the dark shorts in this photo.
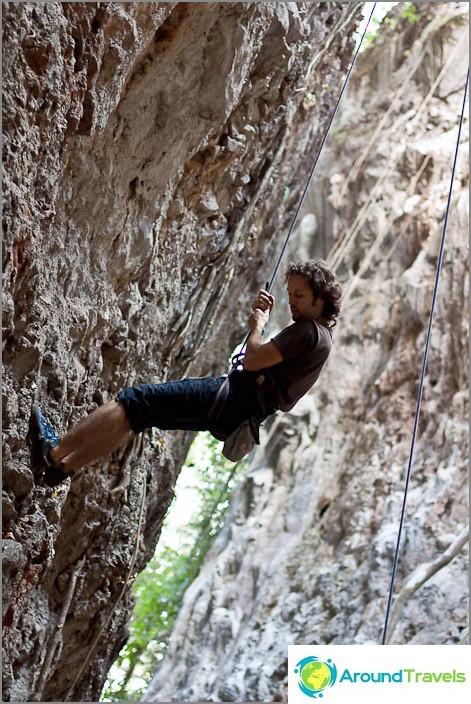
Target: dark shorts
(185, 404)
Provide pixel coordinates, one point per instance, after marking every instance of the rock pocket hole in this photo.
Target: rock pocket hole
(324, 509)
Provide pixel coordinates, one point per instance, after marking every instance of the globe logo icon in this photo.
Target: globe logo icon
(315, 675)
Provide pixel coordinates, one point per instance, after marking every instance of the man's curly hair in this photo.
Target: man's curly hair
(323, 283)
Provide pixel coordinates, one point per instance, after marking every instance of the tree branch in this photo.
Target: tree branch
(422, 574)
(57, 634)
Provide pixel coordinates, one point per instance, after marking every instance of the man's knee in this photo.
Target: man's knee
(121, 416)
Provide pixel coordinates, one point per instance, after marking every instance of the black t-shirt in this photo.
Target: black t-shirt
(304, 346)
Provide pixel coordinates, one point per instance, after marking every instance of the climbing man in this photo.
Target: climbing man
(275, 375)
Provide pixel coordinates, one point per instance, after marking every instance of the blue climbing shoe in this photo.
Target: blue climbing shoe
(42, 438)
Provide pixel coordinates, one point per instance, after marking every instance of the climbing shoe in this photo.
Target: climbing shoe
(42, 438)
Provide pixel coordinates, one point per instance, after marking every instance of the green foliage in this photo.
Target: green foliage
(371, 33)
(391, 22)
(160, 588)
(410, 13)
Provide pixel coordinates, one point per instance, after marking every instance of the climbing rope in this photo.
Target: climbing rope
(424, 365)
(324, 139)
(237, 359)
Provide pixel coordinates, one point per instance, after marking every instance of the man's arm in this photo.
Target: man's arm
(260, 354)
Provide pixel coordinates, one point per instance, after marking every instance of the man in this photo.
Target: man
(275, 375)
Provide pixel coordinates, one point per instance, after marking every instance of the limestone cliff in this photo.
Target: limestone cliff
(154, 152)
(307, 551)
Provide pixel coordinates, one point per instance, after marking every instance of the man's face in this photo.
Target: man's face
(300, 298)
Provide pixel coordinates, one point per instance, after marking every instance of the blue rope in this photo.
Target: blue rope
(424, 365)
(237, 359)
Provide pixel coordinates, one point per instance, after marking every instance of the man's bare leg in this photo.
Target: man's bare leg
(96, 435)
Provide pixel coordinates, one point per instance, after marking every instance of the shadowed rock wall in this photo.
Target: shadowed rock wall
(306, 554)
(154, 153)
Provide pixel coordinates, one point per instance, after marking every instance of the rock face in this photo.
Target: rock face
(306, 554)
(153, 154)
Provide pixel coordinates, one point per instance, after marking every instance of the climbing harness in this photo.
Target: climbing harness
(238, 358)
(424, 366)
